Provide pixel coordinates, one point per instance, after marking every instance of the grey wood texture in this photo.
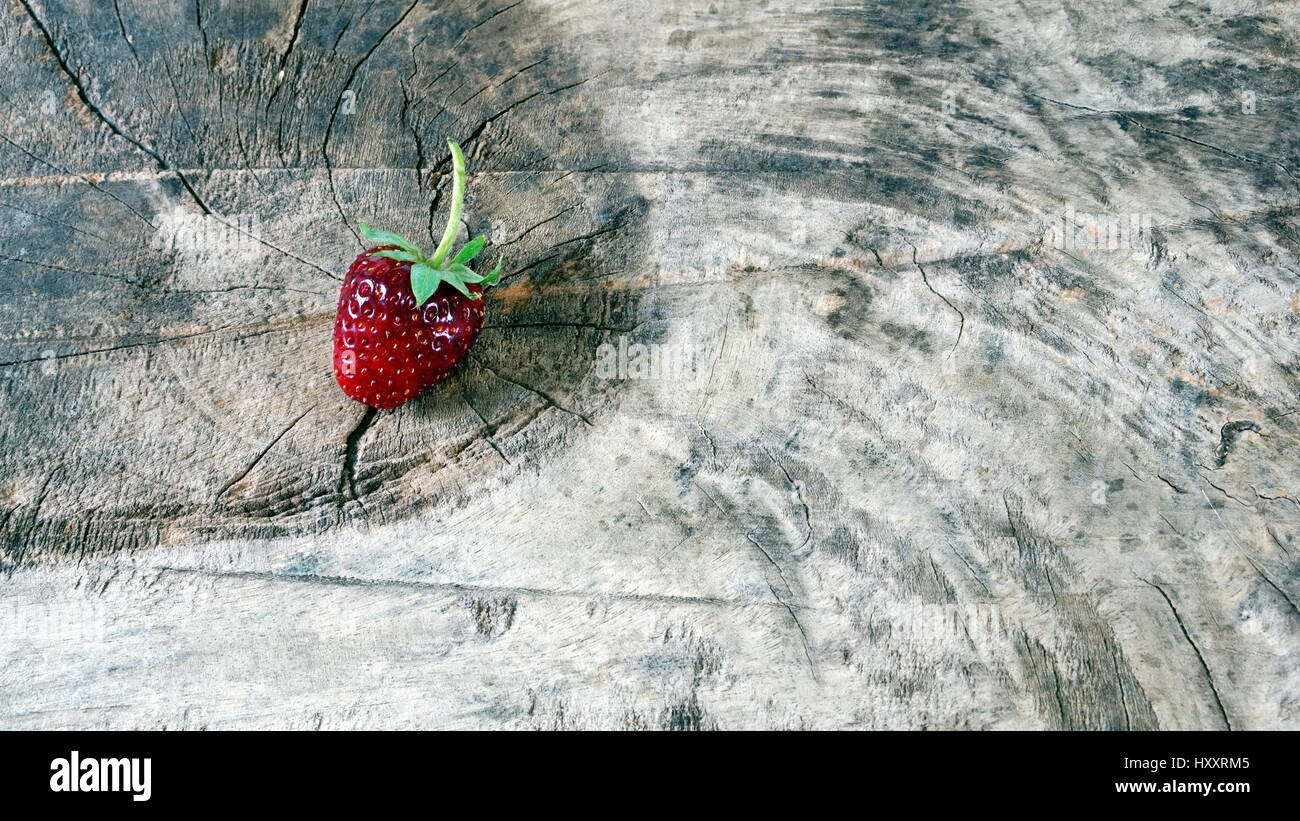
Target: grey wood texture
(791, 412)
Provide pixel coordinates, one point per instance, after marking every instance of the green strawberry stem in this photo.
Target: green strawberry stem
(427, 273)
(457, 200)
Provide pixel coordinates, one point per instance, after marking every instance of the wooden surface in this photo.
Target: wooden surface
(903, 459)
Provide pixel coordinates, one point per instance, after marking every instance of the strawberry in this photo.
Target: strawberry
(405, 319)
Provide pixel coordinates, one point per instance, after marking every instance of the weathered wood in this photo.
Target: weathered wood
(791, 411)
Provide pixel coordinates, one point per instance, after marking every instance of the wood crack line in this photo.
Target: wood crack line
(961, 317)
(1209, 677)
(785, 604)
(265, 451)
(1129, 119)
(93, 177)
(329, 128)
(264, 329)
(351, 446)
(293, 38)
(67, 176)
(797, 487)
(546, 397)
(487, 20)
(459, 588)
(94, 109)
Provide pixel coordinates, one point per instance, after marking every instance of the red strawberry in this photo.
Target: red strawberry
(404, 319)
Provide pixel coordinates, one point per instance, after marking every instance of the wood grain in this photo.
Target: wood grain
(797, 408)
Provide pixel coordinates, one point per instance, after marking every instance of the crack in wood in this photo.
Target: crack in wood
(785, 604)
(1209, 677)
(961, 317)
(329, 127)
(351, 446)
(475, 589)
(257, 459)
(94, 109)
(264, 328)
(546, 397)
(485, 21)
(85, 179)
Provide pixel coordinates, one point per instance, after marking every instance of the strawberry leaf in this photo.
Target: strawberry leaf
(470, 250)
(400, 256)
(389, 238)
(453, 279)
(465, 274)
(429, 272)
(424, 281)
